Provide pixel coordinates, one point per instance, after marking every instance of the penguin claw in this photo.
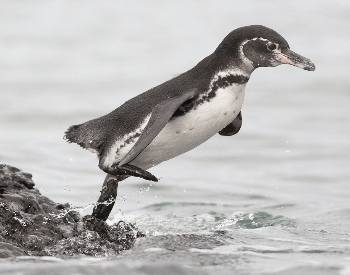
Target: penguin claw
(128, 169)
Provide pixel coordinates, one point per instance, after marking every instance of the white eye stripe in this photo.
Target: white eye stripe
(264, 39)
(245, 60)
(260, 38)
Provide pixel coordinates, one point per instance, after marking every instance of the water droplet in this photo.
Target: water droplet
(185, 191)
(287, 151)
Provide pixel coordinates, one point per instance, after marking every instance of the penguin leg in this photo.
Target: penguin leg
(107, 198)
(128, 169)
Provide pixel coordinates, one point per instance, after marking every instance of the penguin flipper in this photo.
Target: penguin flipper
(234, 127)
(160, 116)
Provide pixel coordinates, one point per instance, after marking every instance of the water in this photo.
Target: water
(272, 199)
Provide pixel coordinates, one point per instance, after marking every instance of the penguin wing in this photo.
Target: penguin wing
(160, 116)
(234, 127)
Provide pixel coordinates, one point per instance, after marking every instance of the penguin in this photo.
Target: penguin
(180, 114)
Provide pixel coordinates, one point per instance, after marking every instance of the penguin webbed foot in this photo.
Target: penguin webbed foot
(128, 169)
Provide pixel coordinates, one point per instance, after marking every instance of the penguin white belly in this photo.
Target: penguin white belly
(186, 132)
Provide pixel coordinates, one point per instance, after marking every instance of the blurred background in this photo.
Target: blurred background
(66, 62)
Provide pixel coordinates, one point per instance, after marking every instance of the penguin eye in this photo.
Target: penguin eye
(272, 47)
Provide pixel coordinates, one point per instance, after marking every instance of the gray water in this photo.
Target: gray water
(272, 199)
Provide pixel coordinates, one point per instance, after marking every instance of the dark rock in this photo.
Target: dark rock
(9, 250)
(32, 224)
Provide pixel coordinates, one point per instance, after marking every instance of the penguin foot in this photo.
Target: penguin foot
(107, 198)
(138, 172)
(128, 169)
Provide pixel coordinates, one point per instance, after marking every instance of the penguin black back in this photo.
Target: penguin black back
(95, 134)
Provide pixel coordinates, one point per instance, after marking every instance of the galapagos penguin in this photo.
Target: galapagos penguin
(180, 114)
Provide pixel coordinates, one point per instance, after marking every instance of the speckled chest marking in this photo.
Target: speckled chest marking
(220, 81)
(187, 131)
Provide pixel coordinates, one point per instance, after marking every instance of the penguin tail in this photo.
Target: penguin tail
(85, 136)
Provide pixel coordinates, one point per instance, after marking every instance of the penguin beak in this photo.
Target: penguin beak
(289, 57)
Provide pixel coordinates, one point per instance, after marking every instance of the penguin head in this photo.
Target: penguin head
(258, 46)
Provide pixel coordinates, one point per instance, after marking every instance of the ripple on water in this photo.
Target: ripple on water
(255, 220)
(156, 225)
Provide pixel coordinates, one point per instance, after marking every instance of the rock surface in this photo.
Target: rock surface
(32, 224)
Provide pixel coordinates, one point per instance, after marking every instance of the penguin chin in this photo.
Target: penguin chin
(272, 62)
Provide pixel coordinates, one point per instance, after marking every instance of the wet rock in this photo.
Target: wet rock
(32, 224)
(9, 250)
